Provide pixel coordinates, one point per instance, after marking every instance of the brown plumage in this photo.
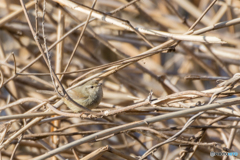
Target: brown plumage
(88, 95)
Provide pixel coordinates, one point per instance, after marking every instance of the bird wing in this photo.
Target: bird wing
(76, 95)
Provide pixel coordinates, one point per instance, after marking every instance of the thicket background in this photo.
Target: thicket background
(169, 73)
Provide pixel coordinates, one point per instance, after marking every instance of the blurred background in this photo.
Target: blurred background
(186, 65)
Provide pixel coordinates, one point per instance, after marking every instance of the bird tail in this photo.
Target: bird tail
(46, 92)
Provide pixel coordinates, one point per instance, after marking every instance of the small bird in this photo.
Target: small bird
(88, 95)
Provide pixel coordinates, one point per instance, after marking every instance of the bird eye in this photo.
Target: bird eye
(91, 86)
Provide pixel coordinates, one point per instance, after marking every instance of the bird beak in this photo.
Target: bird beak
(99, 84)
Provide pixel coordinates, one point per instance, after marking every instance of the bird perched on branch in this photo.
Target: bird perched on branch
(88, 95)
